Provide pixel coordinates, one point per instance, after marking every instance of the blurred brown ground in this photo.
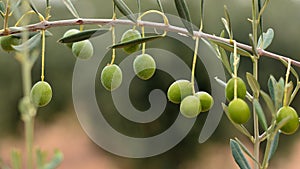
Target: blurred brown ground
(79, 152)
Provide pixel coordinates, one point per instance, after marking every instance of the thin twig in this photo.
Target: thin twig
(170, 28)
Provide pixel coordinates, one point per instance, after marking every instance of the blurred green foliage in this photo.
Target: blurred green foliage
(283, 18)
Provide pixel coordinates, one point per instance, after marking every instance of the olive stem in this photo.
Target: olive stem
(194, 64)
(255, 120)
(113, 34)
(43, 55)
(235, 63)
(144, 44)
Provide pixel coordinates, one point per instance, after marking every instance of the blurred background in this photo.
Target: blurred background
(57, 125)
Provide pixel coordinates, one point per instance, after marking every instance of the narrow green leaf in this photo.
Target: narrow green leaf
(31, 34)
(224, 59)
(71, 8)
(271, 85)
(15, 6)
(184, 14)
(261, 17)
(47, 3)
(266, 39)
(244, 148)
(238, 155)
(55, 161)
(32, 6)
(160, 6)
(123, 8)
(232, 61)
(261, 115)
(222, 83)
(274, 146)
(279, 92)
(16, 159)
(227, 17)
(41, 156)
(253, 83)
(135, 41)
(230, 48)
(29, 44)
(226, 25)
(285, 63)
(83, 35)
(268, 102)
(139, 6)
(2, 8)
(289, 90)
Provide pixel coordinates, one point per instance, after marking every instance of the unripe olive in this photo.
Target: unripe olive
(241, 89)
(190, 106)
(292, 124)
(69, 33)
(206, 101)
(144, 66)
(83, 49)
(239, 111)
(8, 41)
(111, 77)
(128, 36)
(41, 94)
(179, 90)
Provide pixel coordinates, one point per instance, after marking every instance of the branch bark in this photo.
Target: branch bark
(170, 28)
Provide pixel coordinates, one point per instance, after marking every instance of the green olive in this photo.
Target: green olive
(41, 94)
(190, 106)
(179, 90)
(241, 89)
(83, 49)
(293, 122)
(128, 36)
(69, 33)
(8, 41)
(206, 101)
(144, 66)
(239, 111)
(111, 77)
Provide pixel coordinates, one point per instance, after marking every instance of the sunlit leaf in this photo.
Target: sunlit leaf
(184, 14)
(230, 48)
(279, 92)
(261, 115)
(83, 35)
(124, 9)
(232, 61)
(266, 39)
(228, 22)
(71, 8)
(135, 41)
(29, 44)
(289, 89)
(238, 155)
(253, 83)
(268, 102)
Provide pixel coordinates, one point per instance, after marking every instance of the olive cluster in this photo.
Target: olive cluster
(181, 92)
(144, 65)
(238, 109)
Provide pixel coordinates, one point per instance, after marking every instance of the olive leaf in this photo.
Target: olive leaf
(230, 48)
(289, 89)
(285, 63)
(160, 6)
(124, 9)
(83, 35)
(16, 159)
(29, 44)
(244, 148)
(253, 83)
(135, 41)
(71, 8)
(266, 39)
(261, 115)
(16, 5)
(32, 6)
(274, 145)
(271, 85)
(269, 103)
(2, 8)
(184, 14)
(55, 161)
(238, 155)
(227, 22)
(31, 34)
